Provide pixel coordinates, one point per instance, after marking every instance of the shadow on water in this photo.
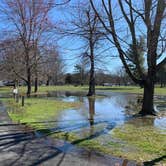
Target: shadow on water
(91, 110)
(27, 139)
(96, 117)
(25, 145)
(101, 111)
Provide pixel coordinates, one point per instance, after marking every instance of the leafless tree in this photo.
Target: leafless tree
(12, 62)
(51, 66)
(146, 17)
(28, 21)
(85, 25)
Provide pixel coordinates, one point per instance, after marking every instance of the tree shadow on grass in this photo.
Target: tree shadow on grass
(155, 161)
(27, 149)
(34, 151)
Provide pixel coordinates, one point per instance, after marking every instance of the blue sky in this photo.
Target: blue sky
(69, 46)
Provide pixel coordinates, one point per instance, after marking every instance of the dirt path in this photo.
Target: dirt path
(22, 148)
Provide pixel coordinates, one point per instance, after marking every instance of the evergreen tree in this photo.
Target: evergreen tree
(132, 59)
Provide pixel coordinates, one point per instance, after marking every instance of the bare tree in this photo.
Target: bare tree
(147, 17)
(28, 20)
(85, 25)
(51, 65)
(12, 62)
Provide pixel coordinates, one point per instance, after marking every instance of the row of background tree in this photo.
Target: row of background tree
(28, 54)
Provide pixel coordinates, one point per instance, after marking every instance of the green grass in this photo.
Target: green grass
(6, 89)
(140, 143)
(131, 89)
(147, 142)
(125, 89)
(128, 141)
(133, 142)
(37, 110)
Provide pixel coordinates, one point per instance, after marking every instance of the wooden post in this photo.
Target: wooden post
(17, 98)
(22, 101)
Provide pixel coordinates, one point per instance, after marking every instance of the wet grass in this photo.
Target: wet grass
(131, 89)
(134, 142)
(123, 89)
(149, 142)
(141, 143)
(5, 89)
(37, 110)
(85, 142)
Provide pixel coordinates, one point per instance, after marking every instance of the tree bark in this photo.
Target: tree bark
(28, 89)
(36, 84)
(28, 82)
(153, 26)
(36, 66)
(148, 105)
(91, 91)
(48, 81)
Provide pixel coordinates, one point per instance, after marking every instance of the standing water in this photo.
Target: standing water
(103, 113)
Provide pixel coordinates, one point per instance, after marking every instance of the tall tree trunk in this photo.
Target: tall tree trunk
(36, 68)
(36, 84)
(161, 84)
(148, 105)
(91, 91)
(28, 82)
(48, 81)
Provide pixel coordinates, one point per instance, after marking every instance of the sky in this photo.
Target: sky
(69, 47)
(70, 51)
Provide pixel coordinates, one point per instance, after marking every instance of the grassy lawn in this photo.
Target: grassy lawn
(37, 110)
(127, 89)
(147, 142)
(6, 89)
(141, 143)
(134, 143)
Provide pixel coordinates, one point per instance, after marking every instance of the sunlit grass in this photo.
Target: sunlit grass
(148, 142)
(128, 141)
(125, 89)
(132, 142)
(37, 110)
(6, 89)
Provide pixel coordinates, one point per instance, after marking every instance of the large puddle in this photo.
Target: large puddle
(105, 112)
(106, 123)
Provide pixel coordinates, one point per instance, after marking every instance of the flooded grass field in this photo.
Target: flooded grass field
(106, 123)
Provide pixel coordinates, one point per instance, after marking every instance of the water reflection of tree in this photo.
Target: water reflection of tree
(91, 101)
